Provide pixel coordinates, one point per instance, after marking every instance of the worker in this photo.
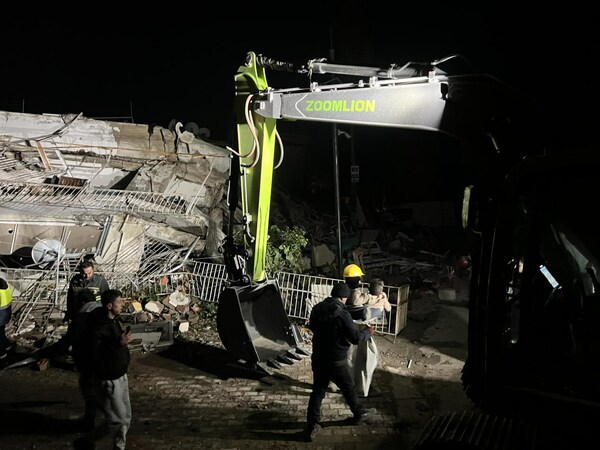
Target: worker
(108, 357)
(73, 340)
(353, 276)
(362, 358)
(5, 314)
(333, 332)
(85, 279)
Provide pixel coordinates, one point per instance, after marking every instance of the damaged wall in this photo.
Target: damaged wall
(122, 245)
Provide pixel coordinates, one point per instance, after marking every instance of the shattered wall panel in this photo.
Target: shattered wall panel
(122, 245)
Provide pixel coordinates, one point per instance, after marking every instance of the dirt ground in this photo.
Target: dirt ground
(428, 356)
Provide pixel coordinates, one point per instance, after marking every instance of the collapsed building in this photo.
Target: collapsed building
(138, 200)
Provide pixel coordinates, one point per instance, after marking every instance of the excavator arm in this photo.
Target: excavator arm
(474, 109)
(251, 321)
(255, 156)
(389, 103)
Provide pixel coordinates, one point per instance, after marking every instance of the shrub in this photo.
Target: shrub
(285, 250)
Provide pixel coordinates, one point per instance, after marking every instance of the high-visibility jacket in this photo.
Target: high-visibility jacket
(5, 300)
(5, 294)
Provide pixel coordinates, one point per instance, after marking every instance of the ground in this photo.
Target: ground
(192, 395)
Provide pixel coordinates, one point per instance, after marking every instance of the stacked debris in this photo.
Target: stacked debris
(176, 307)
(397, 250)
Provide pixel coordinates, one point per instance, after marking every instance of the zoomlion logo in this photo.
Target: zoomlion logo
(340, 105)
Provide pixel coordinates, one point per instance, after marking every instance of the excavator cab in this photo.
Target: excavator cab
(251, 318)
(533, 326)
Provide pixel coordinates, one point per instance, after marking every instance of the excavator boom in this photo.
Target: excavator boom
(375, 105)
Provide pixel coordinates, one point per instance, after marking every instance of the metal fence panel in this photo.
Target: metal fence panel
(47, 289)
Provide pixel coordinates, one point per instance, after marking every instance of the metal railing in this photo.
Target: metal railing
(13, 171)
(301, 292)
(203, 282)
(96, 199)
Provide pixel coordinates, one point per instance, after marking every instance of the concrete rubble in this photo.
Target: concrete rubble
(164, 184)
(136, 199)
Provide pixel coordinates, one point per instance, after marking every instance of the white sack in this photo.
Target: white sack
(362, 359)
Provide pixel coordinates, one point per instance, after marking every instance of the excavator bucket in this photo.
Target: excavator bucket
(251, 318)
(253, 325)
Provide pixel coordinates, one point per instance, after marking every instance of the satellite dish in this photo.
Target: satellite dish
(46, 251)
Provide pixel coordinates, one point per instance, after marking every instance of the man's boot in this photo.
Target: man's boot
(311, 431)
(364, 415)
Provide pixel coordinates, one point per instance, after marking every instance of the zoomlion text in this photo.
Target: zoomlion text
(340, 105)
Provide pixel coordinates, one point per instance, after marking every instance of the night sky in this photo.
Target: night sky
(160, 64)
(171, 63)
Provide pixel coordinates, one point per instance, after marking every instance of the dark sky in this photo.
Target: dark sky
(177, 64)
(170, 63)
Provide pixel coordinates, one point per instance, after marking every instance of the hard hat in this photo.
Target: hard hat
(352, 270)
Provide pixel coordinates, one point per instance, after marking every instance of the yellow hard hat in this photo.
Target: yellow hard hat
(352, 270)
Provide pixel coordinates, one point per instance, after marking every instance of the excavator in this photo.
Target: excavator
(534, 303)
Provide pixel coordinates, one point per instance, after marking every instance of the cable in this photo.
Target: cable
(280, 150)
(255, 145)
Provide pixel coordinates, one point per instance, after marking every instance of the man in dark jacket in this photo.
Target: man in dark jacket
(333, 332)
(85, 279)
(73, 339)
(108, 356)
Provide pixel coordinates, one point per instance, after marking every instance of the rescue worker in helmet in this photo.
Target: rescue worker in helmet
(362, 367)
(352, 276)
(333, 334)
